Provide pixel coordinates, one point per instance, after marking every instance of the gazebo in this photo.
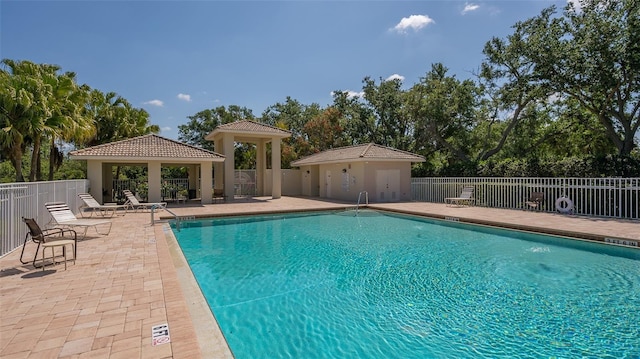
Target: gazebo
(152, 151)
(224, 138)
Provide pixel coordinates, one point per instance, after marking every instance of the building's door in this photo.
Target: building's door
(327, 184)
(387, 185)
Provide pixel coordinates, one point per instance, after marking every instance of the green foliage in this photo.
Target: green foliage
(71, 169)
(578, 166)
(7, 172)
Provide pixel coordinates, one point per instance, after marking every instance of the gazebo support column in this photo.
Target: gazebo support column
(229, 166)
(276, 190)
(206, 183)
(94, 175)
(155, 181)
(261, 166)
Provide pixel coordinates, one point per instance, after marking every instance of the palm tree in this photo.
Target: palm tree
(69, 123)
(21, 100)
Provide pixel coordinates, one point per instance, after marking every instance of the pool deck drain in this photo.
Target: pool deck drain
(135, 278)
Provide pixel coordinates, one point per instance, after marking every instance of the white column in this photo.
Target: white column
(206, 183)
(276, 173)
(218, 178)
(261, 166)
(229, 166)
(155, 181)
(94, 175)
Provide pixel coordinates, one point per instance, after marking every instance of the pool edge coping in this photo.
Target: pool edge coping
(210, 338)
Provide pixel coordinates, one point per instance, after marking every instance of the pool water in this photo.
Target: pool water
(335, 285)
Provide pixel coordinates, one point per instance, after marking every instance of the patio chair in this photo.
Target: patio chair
(535, 200)
(49, 238)
(218, 194)
(91, 206)
(466, 197)
(61, 215)
(133, 202)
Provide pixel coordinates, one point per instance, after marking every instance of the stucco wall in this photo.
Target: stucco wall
(291, 182)
(347, 180)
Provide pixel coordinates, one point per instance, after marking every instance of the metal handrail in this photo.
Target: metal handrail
(366, 196)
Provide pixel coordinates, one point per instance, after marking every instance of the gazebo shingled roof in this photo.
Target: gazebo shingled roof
(250, 128)
(146, 146)
(365, 152)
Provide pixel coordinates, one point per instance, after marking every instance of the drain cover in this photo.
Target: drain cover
(160, 334)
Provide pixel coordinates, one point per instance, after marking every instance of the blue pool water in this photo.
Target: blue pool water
(332, 285)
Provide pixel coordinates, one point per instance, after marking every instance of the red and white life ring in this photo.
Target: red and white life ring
(564, 205)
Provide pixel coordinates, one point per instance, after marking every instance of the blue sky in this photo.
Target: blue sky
(176, 58)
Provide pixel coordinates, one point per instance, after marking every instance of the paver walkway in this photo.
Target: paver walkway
(125, 283)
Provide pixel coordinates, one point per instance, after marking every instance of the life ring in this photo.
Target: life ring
(564, 205)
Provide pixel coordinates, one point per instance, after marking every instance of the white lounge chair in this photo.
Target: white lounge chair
(135, 204)
(466, 197)
(62, 216)
(92, 206)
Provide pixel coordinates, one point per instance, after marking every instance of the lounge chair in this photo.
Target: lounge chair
(92, 206)
(466, 197)
(49, 238)
(535, 200)
(135, 204)
(62, 216)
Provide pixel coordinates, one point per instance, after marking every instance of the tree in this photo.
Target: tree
(592, 55)
(115, 118)
(511, 89)
(323, 131)
(204, 122)
(443, 110)
(357, 119)
(292, 114)
(386, 99)
(23, 99)
(67, 122)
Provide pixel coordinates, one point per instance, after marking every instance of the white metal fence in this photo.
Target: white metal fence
(595, 197)
(170, 189)
(19, 200)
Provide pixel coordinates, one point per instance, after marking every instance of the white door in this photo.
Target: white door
(327, 184)
(388, 185)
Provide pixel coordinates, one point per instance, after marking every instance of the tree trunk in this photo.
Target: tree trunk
(34, 158)
(16, 161)
(52, 160)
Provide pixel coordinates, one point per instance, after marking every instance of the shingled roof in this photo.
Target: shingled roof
(366, 152)
(249, 128)
(146, 147)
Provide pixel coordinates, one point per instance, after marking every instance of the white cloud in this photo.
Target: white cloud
(470, 7)
(577, 4)
(395, 77)
(415, 22)
(154, 103)
(184, 97)
(351, 94)
(165, 129)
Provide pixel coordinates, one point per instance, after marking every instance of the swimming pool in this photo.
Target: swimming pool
(332, 285)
